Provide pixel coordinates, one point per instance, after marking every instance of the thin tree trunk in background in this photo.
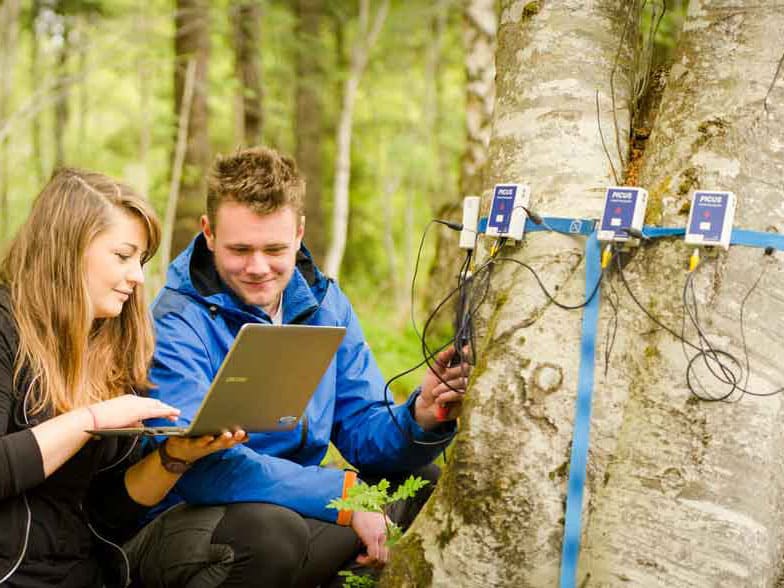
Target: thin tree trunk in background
(192, 41)
(35, 126)
(61, 110)
(309, 126)
(180, 150)
(479, 34)
(495, 518)
(439, 187)
(480, 29)
(9, 29)
(363, 44)
(703, 481)
(246, 21)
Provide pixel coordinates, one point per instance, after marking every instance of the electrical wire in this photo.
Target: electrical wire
(549, 296)
(722, 365)
(730, 374)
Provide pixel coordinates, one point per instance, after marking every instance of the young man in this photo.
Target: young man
(273, 527)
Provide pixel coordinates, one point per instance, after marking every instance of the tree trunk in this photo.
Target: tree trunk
(441, 190)
(681, 492)
(246, 18)
(360, 54)
(192, 41)
(310, 82)
(496, 517)
(480, 27)
(693, 496)
(9, 27)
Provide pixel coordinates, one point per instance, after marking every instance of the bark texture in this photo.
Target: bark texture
(693, 496)
(496, 516)
(191, 41)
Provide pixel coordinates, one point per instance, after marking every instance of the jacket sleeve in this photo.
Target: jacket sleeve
(371, 433)
(182, 373)
(21, 463)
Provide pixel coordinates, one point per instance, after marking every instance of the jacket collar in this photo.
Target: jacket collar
(194, 273)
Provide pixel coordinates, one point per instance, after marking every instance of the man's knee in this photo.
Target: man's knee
(231, 545)
(268, 542)
(176, 550)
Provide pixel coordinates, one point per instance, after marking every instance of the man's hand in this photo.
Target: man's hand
(372, 530)
(192, 448)
(435, 392)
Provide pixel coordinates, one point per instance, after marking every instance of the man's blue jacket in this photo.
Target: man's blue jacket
(196, 320)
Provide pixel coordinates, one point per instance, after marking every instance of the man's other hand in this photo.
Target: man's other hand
(372, 530)
(442, 386)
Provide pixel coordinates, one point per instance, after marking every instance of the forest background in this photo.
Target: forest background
(102, 85)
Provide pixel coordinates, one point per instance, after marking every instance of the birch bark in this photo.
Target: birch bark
(693, 497)
(496, 516)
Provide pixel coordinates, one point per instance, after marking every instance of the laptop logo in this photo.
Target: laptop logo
(236, 380)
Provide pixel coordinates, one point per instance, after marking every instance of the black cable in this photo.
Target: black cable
(549, 296)
(728, 375)
(428, 355)
(645, 310)
(708, 352)
(609, 340)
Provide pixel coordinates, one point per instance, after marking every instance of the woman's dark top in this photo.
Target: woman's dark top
(45, 522)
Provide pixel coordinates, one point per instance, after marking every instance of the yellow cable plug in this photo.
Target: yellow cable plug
(606, 256)
(694, 260)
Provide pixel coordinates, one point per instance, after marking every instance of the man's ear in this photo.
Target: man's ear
(209, 236)
(300, 231)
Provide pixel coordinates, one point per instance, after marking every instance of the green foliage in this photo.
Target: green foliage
(355, 581)
(376, 498)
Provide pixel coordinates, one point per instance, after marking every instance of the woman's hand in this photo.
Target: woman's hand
(128, 411)
(192, 448)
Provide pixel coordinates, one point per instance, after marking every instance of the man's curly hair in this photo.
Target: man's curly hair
(260, 178)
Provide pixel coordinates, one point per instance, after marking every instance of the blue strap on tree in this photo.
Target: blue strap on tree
(578, 463)
(582, 419)
(572, 226)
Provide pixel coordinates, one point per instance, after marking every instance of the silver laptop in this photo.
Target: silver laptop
(264, 384)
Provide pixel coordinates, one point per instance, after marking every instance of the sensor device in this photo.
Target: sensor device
(507, 212)
(470, 218)
(624, 209)
(710, 219)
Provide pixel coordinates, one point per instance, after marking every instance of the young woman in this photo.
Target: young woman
(75, 344)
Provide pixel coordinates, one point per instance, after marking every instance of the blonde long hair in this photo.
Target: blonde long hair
(71, 359)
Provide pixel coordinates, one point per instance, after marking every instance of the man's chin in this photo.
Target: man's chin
(257, 299)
